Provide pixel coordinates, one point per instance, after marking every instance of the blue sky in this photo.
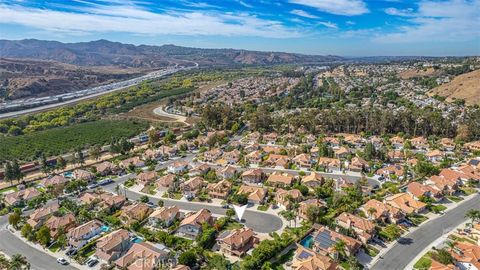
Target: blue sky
(339, 27)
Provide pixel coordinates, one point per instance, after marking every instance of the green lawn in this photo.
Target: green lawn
(262, 207)
(9, 189)
(417, 219)
(424, 263)
(438, 208)
(468, 190)
(371, 251)
(454, 198)
(61, 140)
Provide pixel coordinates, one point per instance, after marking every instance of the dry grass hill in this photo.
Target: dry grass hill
(465, 86)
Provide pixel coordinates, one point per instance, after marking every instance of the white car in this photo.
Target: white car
(62, 261)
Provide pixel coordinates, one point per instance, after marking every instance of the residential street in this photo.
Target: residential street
(400, 255)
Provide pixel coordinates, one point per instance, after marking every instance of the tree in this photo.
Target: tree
(14, 218)
(8, 171)
(392, 232)
(27, 231)
(230, 213)
(188, 258)
(44, 164)
(43, 235)
(473, 215)
(18, 262)
(153, 136)
(443, 256)
(339, 248)
(79, 157)
(160, 203)
(95, 152)
(371, 212)
(144, 199)
(61, 163)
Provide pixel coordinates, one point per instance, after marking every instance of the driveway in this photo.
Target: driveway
(400, 255)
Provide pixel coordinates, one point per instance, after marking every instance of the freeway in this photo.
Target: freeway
(86, 94)
(259, 221)
(400, 255)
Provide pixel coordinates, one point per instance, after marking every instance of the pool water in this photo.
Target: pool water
(105, 228)
(307, 241)
(137, 240)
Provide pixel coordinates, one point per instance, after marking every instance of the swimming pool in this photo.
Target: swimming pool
(307, 241)
(137, 240)
(105, 228)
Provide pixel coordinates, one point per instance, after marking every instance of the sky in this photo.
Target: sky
(334, 27)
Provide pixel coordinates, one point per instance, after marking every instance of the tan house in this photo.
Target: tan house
(84, 175)
(165, 181)
(305, 205)
(164, 216)
(278, 161)
(313, 180)
(256, 195)
(227, 172)
(133, 161)
(142, 256)
(364, 228)
(113, 245)
(21, 196)
(329, 163)
(191, 225)
(285, 198)
(379, 211)
(341, 152)
(232, 157)
(445, 185)
(447, 144)
(302, 161)
(192, 187)
(219, 190)
(212, 155)
(237, 242)
(252, 176)
(406, 203)
(60, 224)
(199, 170)
(270, 138)
(388, 171)
(324, 240)
(358, 164)
(135, 212)
(39, 216)
(420, 143)
(277, 179)
(79, 236)
(106, 168)
(55, 181)
(146, 178)
(418, 191)
(307, 259)
(254, 157)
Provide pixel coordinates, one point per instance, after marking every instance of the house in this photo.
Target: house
(133, 161)
(270, 138)
(302, 161)
(324, 241)
(166, 152)
(358, 164)
(237, 242)
(55, 181)
(232, 157)
(165, 181)
(135, 212)
(391, 170)
(420, 143)
(113, 245)
(146, 178)
(61, 224)
(192, 187)
(104, 199)
(272, 149)
(406, 203)
(285, 198)
(151, 154)
(199, 170)
(253, 137)
(80, 236)
(434, 155)
(305, 205)
(445, 185)
(228, 172)
(191, 225)
(418, 191)
(219, 190)
(364, 228)
(278, 179)
(164, 216)
(142, 256)
(397, 142)
(395, 156)
(313, 180)
(440, 266)
(354, 139)
(252, 176)
(332, 142)
(278, 161)
(329, 163)
(459, 177)
(254, 157)
(21, 197)
(256, 195)
(39, 216)
(447, 144)
(315, 152)
(105, 168)
(307, 259)
(379, 211)
(341, 152)
(212, 155)
(466, 255)
(84, 175)
(473, 146)
(177, 167)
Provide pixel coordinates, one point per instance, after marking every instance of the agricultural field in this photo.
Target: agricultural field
(60, 140)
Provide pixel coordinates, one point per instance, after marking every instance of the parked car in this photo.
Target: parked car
(105, 181)
(62, 261)
(71, 252)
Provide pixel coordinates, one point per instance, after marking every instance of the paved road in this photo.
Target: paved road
(399, 256)
(39, 260)
(258, 221)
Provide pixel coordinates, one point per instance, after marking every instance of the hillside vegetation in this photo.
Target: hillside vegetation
(465, 86)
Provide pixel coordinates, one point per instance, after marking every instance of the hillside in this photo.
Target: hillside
(465, 86)
(21, 78)
(106, 53)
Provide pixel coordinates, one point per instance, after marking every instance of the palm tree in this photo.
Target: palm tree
(451, 244)
(18, 262)
(339, 248)
(473, 214)
(371, 211)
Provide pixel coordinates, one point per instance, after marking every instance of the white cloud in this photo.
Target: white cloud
(452, 20)
(338, 7)
(134, 19)
(399, 12)
(245, 4)
(303, 13)
(328, 24)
